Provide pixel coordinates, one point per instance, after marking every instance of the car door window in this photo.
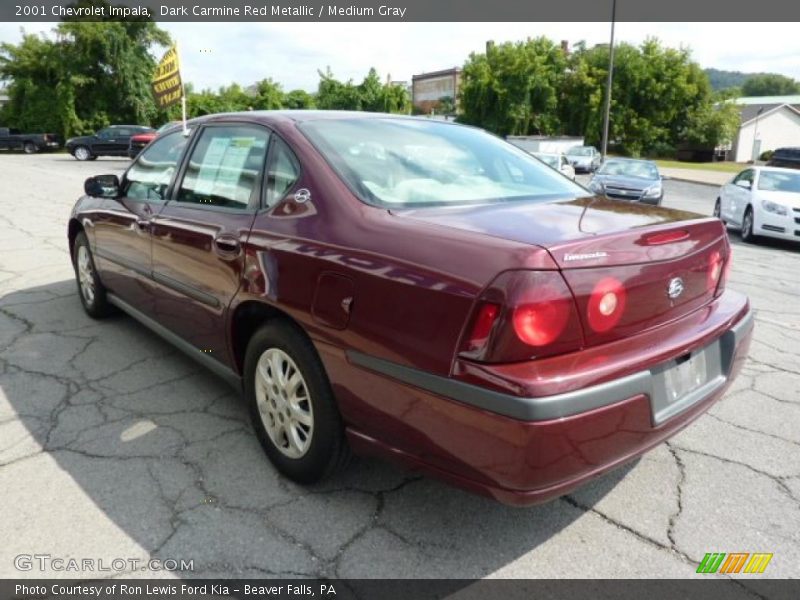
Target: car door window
(746, 175)
(104, 134)
(225, 167)
(283, 172)
(123, 132)
(150, 176)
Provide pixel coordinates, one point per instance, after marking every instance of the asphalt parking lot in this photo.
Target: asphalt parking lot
(114, 445)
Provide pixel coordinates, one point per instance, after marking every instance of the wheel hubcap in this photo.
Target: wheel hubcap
(82, 153)
(284, 403)
(85, 274)
(748, 224)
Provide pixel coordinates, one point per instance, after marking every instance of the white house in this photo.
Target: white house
(768, 122)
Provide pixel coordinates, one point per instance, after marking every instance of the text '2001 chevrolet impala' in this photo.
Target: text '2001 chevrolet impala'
(417, 290)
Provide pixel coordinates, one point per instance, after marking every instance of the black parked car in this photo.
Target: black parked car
(111, 141)
(785, 157)
(29, 143)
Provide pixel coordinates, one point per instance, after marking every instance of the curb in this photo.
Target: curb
(683, 179)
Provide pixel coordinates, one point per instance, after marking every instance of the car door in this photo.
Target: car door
(121, 228)
(199, 236)
(103, 141)
(120, 140)
(739, 196)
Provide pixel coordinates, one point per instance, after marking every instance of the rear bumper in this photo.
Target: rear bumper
(524, 448)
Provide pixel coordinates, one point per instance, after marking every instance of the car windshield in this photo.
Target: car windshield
(629, 168)
(580, 151)
(402, 162)
(548, 159)
(776, 181)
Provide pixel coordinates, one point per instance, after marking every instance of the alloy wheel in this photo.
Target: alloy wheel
(86, 275)
(82, 153)
(284, 404)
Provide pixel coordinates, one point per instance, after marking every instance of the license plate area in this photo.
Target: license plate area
(682, 382)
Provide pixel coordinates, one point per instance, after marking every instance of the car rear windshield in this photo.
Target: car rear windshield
(629, 168)
(580, 151)
(404, 162)
(775, 181)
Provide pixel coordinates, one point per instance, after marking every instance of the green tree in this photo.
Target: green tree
(91, 74)
(298, 100)
(514, 87)
(269, 95)
(655, 92)
(710, 126)
(371, 93)
(333, 94)
(770, 84)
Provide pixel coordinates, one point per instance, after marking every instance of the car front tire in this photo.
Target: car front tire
(90, 289)
(747, 226)
(82, 153)
(291, 403)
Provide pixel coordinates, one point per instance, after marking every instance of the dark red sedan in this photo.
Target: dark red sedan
(418, 290)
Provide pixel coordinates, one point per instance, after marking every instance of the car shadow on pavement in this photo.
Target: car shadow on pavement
(116, 445)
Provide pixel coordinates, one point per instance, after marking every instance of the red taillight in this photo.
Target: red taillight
(523, 315)
(715, 264)
(540, 323)
(726, 271)
(482, 327)
(606, 304)
(666, 237)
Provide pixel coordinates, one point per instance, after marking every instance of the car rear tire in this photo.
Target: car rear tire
(90, 289)
(29, 148)
(747, 226)
(83, 153)
(292, 406)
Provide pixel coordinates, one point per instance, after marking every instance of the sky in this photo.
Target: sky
(215, 54)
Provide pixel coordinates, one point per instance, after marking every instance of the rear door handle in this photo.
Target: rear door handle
(227, 245)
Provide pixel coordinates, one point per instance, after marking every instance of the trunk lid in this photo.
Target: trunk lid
(661, 259)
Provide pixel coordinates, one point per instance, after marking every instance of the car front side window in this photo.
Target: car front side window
(150, 176)
(225, 167)
(284, 170)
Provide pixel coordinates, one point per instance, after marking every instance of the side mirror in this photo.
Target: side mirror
(744, 184)
(102, 186)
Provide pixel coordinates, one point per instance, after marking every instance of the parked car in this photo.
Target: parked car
(466, 311)
(558, 162)
(629, 179)
(762, 201)
(785, 157)
(140, 140)
(585, 159)
(29, 143)
(110, 141)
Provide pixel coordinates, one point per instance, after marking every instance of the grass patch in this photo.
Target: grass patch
(720, 167)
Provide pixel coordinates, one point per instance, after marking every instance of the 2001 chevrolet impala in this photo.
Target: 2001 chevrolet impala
(418, 290)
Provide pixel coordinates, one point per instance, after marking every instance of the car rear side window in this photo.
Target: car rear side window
(149, 177)
(225, 167)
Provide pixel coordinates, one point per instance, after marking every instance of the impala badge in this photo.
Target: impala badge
(675, 287)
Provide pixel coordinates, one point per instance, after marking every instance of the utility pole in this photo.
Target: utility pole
(609, 81)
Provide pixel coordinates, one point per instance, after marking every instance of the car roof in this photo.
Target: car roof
(770, 168)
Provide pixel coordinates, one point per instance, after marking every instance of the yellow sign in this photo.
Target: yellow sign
(166, 83)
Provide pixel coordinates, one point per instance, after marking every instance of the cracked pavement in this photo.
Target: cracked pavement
(115, 445)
